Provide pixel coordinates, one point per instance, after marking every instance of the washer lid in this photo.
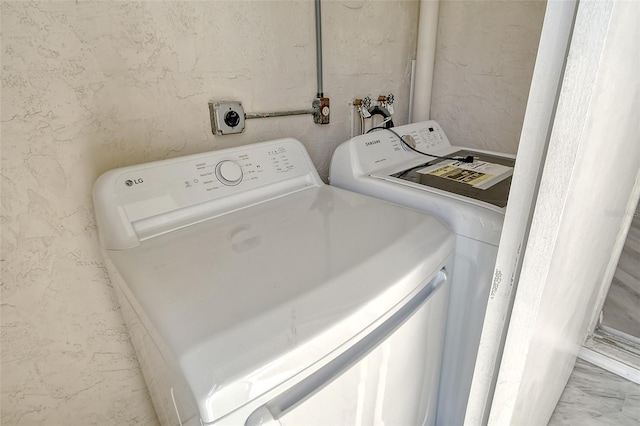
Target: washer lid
(244, 302)
(489, 186)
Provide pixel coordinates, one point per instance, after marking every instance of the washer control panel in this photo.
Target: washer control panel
(380, 149)
(175, 188)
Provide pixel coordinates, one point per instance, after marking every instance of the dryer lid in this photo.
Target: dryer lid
(245, 301)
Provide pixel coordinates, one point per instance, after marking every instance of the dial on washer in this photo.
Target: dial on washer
(229, 172)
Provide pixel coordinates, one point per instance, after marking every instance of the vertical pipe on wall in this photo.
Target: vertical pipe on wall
(412, 89)
(319, 49)
(425, 59)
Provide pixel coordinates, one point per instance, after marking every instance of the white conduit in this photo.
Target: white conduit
(425, 59)
(412, 90)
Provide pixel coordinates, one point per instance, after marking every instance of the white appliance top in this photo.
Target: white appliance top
(138, 202)
(484, 182)
(265, 277)
(469, 197)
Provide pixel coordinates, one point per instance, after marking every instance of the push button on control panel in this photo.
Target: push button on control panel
(229, 172)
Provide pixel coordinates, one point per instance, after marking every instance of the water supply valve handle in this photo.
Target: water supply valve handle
(366, 102)
(389, 103)
(363, 107)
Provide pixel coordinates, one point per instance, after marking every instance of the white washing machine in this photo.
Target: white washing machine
(469, 197)
(255, 294)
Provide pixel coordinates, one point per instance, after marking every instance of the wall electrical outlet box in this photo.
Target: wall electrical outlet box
(226, 117)
(321, 111)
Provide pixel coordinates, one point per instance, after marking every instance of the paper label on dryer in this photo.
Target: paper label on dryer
(479, 174)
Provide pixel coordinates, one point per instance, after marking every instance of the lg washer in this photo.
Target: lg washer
(255, 294)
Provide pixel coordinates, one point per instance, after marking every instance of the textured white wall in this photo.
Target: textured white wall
(485, 54)
(89, 86)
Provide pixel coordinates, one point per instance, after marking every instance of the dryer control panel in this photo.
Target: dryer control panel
(138, 202)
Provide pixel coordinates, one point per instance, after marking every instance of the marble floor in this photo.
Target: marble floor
(596, 397)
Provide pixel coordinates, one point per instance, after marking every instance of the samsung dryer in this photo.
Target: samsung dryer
(469, 197)
(255, 294)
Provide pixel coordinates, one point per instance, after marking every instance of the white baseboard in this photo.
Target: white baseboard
(607, 362)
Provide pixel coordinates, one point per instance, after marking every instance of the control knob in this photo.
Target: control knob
(409, 143)
(229, 172)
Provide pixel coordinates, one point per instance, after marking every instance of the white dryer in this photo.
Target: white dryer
(469, 197)
(255, 294)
